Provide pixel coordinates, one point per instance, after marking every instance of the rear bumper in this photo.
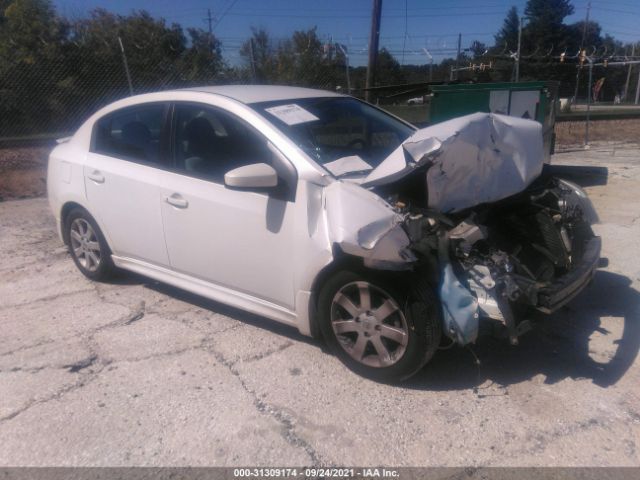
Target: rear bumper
(565, 288)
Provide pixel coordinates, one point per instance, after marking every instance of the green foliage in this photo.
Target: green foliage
(203, 59)
(507, 37)
(259, 53)
(55, 71)
(389, 71)
(32, 43)
(303, 59)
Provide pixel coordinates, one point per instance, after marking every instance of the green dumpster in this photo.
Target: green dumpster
(534, 100)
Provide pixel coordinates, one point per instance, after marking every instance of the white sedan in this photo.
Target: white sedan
(325, 213)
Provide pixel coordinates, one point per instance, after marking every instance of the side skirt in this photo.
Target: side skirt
(209, 290)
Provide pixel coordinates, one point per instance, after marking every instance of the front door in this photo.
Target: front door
(233, 238)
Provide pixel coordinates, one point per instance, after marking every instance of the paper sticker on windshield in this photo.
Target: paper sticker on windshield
(292, 114)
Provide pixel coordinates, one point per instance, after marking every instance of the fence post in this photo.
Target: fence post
(519, 47)
(126, 66)
(586, 131)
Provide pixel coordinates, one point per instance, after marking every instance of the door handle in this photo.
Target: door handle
(96, 176)
(177, 201)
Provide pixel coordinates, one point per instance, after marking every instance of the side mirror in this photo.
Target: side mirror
(256, 175)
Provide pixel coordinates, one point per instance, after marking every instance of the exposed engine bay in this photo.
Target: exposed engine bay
(469, 204)
(501, 258)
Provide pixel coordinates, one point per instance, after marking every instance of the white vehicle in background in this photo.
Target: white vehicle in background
(415, 101)
(320, 211)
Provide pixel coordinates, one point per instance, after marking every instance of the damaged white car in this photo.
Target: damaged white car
(323, 212)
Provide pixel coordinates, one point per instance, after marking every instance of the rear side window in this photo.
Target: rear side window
(132, 134)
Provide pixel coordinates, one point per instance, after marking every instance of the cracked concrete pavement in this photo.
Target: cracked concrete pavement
(137, 373)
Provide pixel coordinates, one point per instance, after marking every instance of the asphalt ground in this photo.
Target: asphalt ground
(137, 373)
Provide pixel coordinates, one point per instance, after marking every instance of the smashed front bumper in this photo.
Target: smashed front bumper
(565, 288)
(463, 307)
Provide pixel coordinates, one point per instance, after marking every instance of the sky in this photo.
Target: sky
(408, 26)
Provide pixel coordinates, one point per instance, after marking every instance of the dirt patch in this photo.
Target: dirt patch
(23, 172)
(572, 133)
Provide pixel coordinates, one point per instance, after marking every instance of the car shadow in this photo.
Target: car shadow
(231, 312)
(585, 176)
(557, 346)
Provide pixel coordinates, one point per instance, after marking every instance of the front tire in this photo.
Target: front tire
(381, 329)
(87, 245)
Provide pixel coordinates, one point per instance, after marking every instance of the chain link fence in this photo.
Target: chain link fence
(50, 94)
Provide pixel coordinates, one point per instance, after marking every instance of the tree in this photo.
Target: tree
(477, 49)
(307, 49)
(507, 37)
(31, 31)
(545, 25)
(151, 48)
(32, 44)
(301, 60)
(388, 69)
(3, 6)
(548, 12)
(203, 60)
(259, 54)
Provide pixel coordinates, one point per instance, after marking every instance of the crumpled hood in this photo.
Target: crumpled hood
(478, 158)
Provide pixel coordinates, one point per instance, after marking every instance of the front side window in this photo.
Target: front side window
(132, 133)
(210, 142)
(333, 129)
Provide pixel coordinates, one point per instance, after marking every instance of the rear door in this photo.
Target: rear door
(122, 180)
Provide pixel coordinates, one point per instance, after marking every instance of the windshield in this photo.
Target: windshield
(343, 134)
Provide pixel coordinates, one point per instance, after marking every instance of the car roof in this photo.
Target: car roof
(263, 93)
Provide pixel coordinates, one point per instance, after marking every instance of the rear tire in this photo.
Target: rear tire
(87, 245)
(381, 328)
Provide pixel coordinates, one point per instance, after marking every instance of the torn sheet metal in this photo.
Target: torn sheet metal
(474, 159)
(369, 228)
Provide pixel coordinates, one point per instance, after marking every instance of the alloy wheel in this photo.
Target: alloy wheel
(85, 244)
(369, 325)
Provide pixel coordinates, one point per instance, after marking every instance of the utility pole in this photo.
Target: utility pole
(584, 36)
(253, 60)
(626, 85)
(586, 131)
(457, 57)
(209, 20)
(519, 50)
(374, 39)
(638, 89)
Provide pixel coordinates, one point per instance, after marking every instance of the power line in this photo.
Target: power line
(293, 15)
(225, 12)
(614, 10)
(313, 11)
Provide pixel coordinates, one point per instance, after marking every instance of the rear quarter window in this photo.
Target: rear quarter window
(134, 133)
